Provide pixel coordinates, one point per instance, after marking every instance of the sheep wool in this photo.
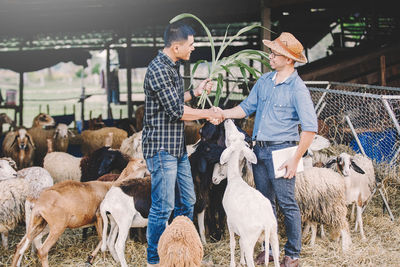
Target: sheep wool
(180, 244)
(62, 166)
(94, 139)
(13, 193)
(132, 145)
(37, 179)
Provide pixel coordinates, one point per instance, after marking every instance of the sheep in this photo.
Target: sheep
(243, 203)
(63, 166)
(42, 120)
(68, 204)
(17, 191)
(320, 194)
(19, 146)
(61, 137)
(94, 139)
(96, 123)
(359, 179)
(180, 244)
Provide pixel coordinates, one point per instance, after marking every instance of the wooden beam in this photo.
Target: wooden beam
(108, 73)
(21, 98)
(383, 70)
(266, 22)
(129, 76)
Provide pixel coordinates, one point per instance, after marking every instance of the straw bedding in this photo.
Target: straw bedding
(382, 247)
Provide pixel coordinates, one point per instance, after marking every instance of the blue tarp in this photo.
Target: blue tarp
(378, 146)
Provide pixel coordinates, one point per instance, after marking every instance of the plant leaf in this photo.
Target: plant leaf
(220, 85)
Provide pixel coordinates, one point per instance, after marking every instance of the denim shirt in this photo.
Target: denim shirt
(280, 108)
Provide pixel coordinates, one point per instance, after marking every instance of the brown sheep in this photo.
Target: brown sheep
(42, 120)
(180, 244)
(68, 204)
(19, 146)
(94, 139)
(139, 114)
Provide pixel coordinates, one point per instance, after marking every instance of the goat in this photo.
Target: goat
(359, 178)
(248, 212)
(19, 146)
(68, 204)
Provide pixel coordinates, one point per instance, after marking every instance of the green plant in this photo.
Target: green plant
(78, 74)
(96, 69)
(225, 64)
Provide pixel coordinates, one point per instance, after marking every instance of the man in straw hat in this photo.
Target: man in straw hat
(281, 102)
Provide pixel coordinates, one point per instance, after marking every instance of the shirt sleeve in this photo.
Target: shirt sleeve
(249, 105)
(305, 109)
(164, 87)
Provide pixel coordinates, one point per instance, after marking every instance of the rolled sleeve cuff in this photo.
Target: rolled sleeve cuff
(176, 114)
(245, 108)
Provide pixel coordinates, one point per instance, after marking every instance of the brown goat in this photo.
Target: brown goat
(139, 114)
(19, 146)
(68, 204)
(192, 132)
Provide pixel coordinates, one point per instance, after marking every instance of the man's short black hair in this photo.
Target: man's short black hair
(176, 32)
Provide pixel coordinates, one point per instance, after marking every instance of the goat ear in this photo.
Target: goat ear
(225, 155)
(30, 141)
(330, 162)
(249, 155)
(15, 140)
(356, 167)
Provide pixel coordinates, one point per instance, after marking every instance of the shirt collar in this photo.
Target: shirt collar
(167, 60)
(288, 79)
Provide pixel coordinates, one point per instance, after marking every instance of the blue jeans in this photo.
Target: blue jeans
(283, 190)
(171, 187)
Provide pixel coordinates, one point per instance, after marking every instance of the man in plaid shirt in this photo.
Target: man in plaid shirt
(163, 138)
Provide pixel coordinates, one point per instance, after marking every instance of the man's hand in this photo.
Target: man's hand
(291, 166)
(205, 85)
(216, 115)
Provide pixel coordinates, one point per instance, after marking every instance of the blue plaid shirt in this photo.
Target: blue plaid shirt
(163, 128)
(280, 108)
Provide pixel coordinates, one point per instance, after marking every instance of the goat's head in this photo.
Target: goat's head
(109, 160)
(219, 173)
(344, 162)
(23, 139)
(319, 142)
(6, 171)
(96, 123)
(235, 141)
(43, 120)
(136, 168)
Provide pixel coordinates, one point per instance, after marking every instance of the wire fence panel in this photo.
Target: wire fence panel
(365, 118)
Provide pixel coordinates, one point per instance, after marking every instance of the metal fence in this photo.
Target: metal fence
(364, 117)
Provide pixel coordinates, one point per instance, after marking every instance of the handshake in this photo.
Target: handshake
(215, 115)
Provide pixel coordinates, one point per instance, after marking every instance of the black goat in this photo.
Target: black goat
(102, 161)
(208, 195)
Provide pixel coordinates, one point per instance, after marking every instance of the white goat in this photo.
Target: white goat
(359, 178)
(248, 212)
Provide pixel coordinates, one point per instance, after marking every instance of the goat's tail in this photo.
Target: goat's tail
(105, 226)
(36, 225)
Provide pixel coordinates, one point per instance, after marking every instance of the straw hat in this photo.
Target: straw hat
(287, 45)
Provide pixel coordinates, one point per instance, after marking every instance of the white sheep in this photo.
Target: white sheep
(180, 244)
(17, 191)
(63, 166)
(359, 179)
(248, 212)
(320, 194)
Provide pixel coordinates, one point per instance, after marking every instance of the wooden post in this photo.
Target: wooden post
(266, 22)
(108, 82)
(129, 75)
(73, 111)
(383, 70)
(83, 96)
(21, 98)
(48, 109)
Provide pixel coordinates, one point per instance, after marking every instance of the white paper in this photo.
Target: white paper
(280, 156)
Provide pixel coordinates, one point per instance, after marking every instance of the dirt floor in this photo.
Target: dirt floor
(381, 248)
